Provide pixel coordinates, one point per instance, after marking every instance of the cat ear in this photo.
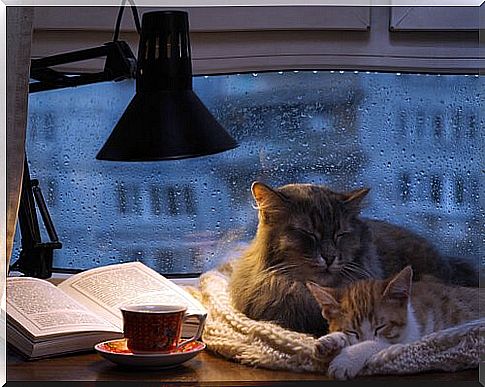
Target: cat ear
(326, 298)
(353, 199)
(267, 199)
(399, 287)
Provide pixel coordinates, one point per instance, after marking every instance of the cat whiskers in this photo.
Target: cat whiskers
(279, 268)
(348, 276)
(355, 271)
(357, 267)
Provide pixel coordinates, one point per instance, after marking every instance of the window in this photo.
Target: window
(406, 136)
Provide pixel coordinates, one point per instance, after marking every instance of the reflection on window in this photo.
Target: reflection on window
(438, 126)
(128, 198)
(459, 187)
(172, 202)
(52, 193)
(411, 138)
(436, 189)
(405, 185)
(472, 126)
(156, 199)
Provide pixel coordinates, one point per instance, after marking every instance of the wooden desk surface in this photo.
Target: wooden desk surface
(205, 369)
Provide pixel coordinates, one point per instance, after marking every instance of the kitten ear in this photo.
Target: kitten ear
(267, 198)
(325, 298)
(399, 287)
(353, 199)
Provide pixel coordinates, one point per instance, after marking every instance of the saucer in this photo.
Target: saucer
(117, 352)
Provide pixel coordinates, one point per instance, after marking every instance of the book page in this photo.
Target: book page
(42, 309)
(105, 289)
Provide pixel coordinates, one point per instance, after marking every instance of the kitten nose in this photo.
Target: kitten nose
(329, 260)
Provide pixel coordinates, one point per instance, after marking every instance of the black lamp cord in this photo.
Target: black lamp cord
(120, 16)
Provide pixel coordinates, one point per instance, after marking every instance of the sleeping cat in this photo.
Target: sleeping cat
(310, 233)
(370, 315)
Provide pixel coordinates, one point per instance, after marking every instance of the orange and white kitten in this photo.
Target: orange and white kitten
(368, 316)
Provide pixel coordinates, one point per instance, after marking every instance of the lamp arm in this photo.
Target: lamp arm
(69, 57)
(44, 212)
(120, 64)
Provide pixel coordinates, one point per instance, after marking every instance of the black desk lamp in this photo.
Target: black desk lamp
(164, 121)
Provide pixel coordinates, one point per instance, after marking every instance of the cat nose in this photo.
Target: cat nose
(329, 260)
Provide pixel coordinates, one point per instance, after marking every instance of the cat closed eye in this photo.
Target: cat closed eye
(341, 234)
(306, 234)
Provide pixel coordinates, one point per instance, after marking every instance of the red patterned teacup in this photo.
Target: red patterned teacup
(156, 328)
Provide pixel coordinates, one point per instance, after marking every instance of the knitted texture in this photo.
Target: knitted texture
(263, 344)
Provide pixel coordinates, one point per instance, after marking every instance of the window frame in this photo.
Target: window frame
(345, 39)
(220, 49)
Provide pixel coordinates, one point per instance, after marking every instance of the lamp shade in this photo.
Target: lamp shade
(165, 120)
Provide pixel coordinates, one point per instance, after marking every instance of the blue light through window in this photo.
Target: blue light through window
(413, 139)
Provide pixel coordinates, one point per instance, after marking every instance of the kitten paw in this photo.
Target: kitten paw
(329, 345)
(343, 367)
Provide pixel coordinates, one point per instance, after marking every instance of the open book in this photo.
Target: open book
(45, 320)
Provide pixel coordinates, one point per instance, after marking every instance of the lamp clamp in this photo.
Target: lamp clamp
(35, 259)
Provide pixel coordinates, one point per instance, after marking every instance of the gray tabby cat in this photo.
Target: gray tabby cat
(308, 233)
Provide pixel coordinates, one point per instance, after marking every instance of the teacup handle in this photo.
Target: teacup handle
(201, 318)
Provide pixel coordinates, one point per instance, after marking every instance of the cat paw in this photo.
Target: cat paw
(343, 368)
(329, 345)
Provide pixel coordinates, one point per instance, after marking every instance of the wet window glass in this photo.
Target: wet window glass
(412, 138)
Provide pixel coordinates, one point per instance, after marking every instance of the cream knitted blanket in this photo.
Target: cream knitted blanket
(263, 344)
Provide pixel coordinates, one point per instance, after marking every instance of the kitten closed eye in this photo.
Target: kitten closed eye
(353, 333)
(378, 329)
